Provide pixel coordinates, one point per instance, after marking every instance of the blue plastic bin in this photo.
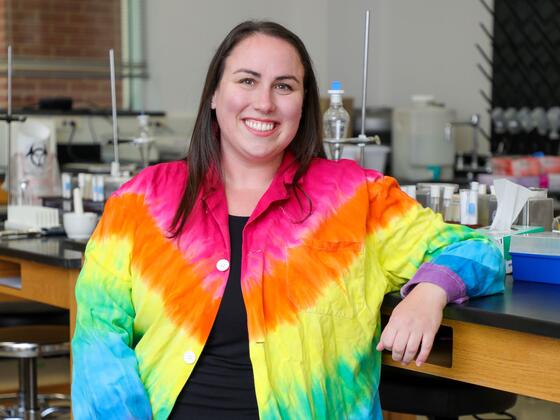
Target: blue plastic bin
(536, 267)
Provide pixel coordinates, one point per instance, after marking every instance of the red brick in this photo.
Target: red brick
(67, 29)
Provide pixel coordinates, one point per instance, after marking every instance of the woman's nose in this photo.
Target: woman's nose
(264, 100)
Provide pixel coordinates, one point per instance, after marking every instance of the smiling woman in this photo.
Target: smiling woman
(245, 281)
(258, 108)
(206, 149)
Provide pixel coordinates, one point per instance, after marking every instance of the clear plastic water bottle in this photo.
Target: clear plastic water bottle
(335, 119)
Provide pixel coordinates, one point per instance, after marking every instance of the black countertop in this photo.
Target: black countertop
(524, 306)
(49, 250)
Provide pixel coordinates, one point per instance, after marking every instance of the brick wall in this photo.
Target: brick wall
(3, 24)
(72, 38)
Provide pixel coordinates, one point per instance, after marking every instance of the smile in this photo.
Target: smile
(260, 126)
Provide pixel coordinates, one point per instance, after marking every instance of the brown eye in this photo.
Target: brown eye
(247, 82)
(284, 87)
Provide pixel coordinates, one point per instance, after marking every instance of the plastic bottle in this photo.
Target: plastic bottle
(435, 198)
(483, 201)
(447, 210)
(469, 207)
(335, 119)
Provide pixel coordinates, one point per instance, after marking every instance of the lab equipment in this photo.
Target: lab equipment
(474, 124)
(335, 145)
(486, 207)
(421, 149)
(447, 209)
(538, 211)
(435, 198)
(536, 257)
(145, 141)
(409, 190)
(336, 118)
(36, 172)
(31, 217)
(78, 203)
(66, 179)
(469, 207)
(79, 225)
(98, 188)
(115, 165)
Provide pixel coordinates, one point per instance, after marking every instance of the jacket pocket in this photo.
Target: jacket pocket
(325, 277)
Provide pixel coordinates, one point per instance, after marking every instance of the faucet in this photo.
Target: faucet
(473, 122)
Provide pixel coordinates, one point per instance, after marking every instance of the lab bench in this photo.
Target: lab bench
(509, 341)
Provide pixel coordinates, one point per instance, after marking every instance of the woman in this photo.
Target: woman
(246, 280)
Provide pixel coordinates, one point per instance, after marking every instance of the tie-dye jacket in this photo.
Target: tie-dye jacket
(316, 264)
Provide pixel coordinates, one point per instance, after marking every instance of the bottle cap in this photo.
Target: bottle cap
(336, 87)
(448, 191)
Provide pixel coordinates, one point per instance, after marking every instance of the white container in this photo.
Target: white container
(79, 225)
(375, 156)
(420, 146)
(34, 169)
(541, 243)
(31, 217)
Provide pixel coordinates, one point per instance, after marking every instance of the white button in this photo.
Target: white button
(222, 265)
(189, 357)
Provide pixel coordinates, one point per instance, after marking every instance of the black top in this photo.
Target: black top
(221, 385)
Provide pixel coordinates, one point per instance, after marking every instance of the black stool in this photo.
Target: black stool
(30, 330)
(16, 313)
(409, 392)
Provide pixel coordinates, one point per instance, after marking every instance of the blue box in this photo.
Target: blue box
(536, 267)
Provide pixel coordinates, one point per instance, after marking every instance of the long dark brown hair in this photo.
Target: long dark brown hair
(204, 149)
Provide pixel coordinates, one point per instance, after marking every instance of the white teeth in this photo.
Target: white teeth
(259, 126)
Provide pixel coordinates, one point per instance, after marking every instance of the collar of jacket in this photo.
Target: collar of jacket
(213, 193)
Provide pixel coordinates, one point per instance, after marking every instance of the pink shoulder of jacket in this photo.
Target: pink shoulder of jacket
(156, 179)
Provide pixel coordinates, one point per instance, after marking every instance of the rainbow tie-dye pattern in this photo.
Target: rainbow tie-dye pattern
(316, 264)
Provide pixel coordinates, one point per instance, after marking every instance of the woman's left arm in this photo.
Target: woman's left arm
(439, 262)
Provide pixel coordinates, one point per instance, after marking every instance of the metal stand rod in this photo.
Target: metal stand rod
(365, 76)
(115, 167)
(336, 145)
(29, 373)
(362, 146)
(9, 118)
(7, 180)
(22, 396)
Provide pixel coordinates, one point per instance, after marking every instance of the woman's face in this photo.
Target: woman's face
(259, 99)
